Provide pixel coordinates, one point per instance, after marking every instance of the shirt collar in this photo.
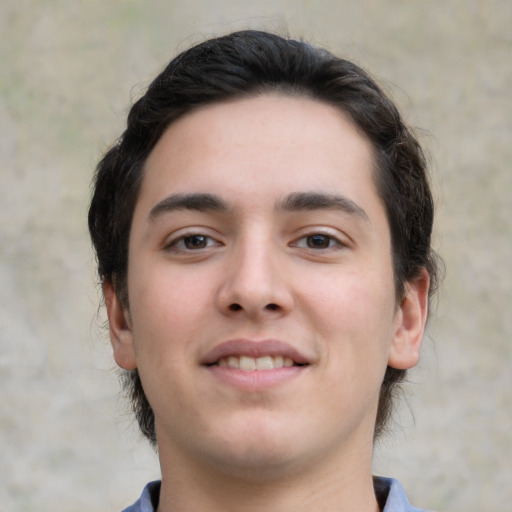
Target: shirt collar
(389, 492)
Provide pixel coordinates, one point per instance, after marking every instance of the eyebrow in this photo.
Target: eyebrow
(294, 202)
(198, 201)
(306, 201)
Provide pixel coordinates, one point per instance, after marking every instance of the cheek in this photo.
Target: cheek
(351, 301)
(168, 318)
(168, 309)
(353, 317)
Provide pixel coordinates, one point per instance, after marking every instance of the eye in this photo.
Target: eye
(192, 242)
(317, 241)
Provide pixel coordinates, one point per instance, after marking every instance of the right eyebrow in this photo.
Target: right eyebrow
(304, 201)
(197, 201)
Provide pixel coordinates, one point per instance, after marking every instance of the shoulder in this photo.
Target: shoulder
(392, 497)
(148, 501)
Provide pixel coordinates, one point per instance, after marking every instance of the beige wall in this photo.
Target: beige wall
(68, 70)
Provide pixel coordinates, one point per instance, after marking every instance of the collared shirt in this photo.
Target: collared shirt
(388, 491)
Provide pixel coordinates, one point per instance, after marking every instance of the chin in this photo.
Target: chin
(257, 464)
(263, 452)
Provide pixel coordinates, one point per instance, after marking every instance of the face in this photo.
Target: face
(262, 311)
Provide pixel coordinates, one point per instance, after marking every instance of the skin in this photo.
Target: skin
(316, 279)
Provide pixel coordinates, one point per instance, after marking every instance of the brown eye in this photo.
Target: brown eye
(195, 242)
(319, 241)
(192, 242)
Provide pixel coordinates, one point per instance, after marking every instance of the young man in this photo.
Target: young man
(263, 231)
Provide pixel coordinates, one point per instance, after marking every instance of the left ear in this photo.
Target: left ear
(121, 333)
(410, 321)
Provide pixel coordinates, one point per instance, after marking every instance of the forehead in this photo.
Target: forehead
(263, 147)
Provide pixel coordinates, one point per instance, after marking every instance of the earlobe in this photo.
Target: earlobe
(410, 322)
(121, 335)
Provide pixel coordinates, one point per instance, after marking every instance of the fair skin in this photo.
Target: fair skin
(258, 239)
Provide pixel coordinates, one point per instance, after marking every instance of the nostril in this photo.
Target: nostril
(269, 307)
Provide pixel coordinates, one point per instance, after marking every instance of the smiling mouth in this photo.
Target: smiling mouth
(241, 357)
(262, 363)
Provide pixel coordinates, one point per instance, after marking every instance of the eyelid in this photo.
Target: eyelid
(340, 240)
(337, 243)
(171, 242)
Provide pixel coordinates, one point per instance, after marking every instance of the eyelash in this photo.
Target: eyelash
(332, 241)
(182, 240)
(204, 242)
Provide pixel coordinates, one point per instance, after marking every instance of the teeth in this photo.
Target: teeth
(255, 363)
(247, 363)
(233, 362)
(264, 363)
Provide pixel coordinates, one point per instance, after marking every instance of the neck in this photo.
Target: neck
(327, 485)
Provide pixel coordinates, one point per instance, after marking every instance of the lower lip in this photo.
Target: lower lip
(255, 380)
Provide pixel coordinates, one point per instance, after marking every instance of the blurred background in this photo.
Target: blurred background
(70, 70)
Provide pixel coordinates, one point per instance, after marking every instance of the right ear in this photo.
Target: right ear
(120, 330)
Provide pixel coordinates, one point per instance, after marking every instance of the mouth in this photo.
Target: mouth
(255, 364)
(263, 363)
(244, 354)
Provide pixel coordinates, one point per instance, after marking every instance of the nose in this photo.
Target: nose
(256, 283)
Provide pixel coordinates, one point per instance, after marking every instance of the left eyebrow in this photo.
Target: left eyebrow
(306, 201)
(199, 202)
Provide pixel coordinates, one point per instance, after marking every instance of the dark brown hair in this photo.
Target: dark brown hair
(244, 64)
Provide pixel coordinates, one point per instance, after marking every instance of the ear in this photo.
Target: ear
(410, 321)
(121, 334)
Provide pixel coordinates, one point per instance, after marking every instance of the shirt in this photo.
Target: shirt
(388, 491)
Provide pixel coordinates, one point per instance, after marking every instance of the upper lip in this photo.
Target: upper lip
(253, 348)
